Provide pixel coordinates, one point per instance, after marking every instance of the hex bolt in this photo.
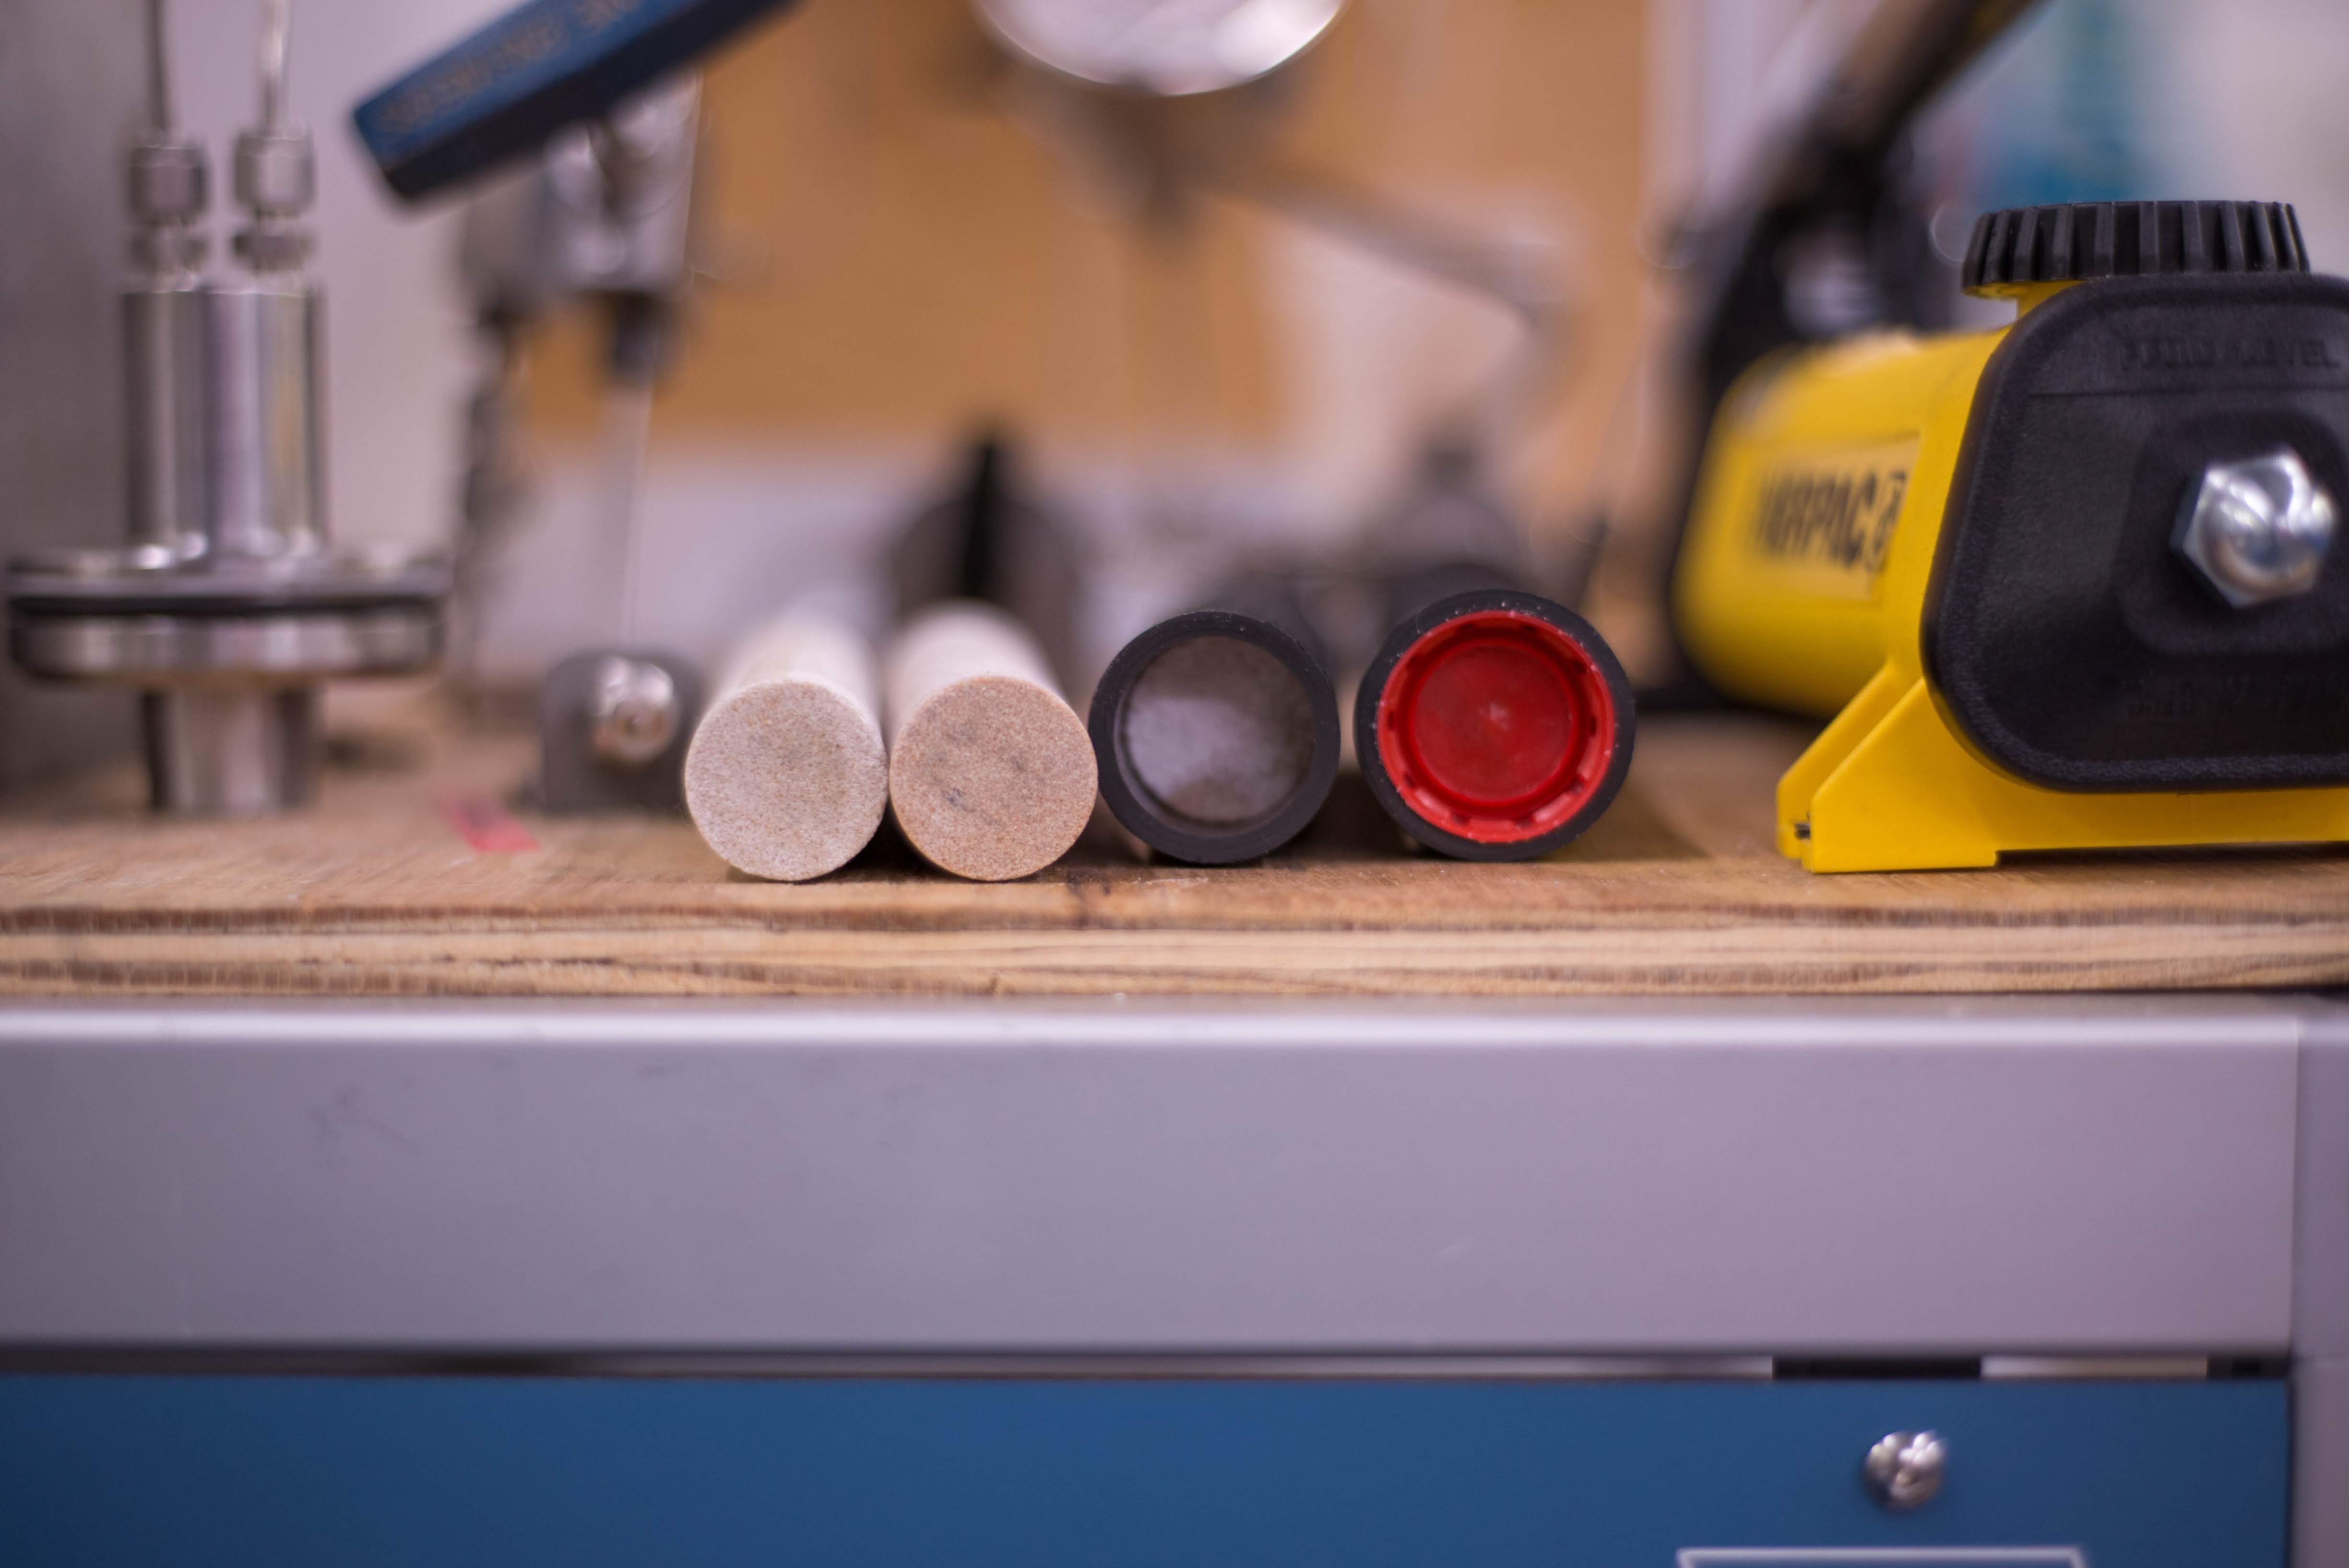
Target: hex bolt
(1905, 1469)
(2258, 529)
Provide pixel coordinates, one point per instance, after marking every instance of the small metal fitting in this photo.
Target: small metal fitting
(169, 251)
(168, 181)
(1904, 1469)
(2258, 529)
(272, 246)
(633, 712)
(274, 173)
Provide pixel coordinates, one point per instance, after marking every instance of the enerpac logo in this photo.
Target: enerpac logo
(1881, 1557)
(1831, 516)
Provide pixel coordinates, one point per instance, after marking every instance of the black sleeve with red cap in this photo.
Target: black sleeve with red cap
(1493, 724)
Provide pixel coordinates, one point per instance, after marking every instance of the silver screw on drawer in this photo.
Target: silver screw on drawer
(1904, 1469)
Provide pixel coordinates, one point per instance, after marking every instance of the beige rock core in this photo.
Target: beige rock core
(990, 771)
(787, 777)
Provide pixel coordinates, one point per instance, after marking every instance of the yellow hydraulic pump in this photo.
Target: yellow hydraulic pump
(2070, 584)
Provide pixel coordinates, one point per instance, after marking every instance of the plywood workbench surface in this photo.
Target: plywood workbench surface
(408, 879)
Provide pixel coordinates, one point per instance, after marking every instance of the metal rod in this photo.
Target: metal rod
(276, 24)
(1522, 278)
(627, 441)
(158, 70)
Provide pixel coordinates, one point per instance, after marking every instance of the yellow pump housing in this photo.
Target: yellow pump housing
(1905, 532)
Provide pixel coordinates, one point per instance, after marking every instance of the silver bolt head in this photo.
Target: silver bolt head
(1904, 1469)
(2259, 529)
(632, 712)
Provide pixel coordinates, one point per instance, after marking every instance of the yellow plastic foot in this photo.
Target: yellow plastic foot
(1888, 786)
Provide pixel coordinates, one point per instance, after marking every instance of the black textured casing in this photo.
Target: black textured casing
(2063, 635)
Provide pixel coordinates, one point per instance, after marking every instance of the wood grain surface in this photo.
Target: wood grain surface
(410, 879)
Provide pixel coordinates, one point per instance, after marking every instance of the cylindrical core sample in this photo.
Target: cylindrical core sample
(1216, 730)
(786, 776)
(1494, 725)
(990, 771)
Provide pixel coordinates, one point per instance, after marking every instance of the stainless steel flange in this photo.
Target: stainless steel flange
(226, 654)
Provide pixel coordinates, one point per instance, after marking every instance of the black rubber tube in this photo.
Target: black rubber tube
(1295, 745)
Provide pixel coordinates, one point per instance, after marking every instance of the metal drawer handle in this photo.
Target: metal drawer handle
(1904, 1469)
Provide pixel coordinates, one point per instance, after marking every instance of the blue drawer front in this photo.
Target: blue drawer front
(305, 1472)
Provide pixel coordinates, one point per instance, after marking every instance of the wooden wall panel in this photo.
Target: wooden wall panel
(929, 261)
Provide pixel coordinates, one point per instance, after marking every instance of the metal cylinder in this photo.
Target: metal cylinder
(231, 750)
(163, 340)
(267, 476)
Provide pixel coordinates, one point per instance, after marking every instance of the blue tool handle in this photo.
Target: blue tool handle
(544, 64)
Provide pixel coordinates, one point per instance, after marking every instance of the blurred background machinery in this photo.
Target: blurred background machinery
(909, 234)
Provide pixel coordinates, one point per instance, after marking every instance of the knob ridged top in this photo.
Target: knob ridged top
(2024, 245)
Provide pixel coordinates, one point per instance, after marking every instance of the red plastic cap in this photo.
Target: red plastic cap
(1497, 726)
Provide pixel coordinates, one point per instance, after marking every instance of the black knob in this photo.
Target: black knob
(2023, 245)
